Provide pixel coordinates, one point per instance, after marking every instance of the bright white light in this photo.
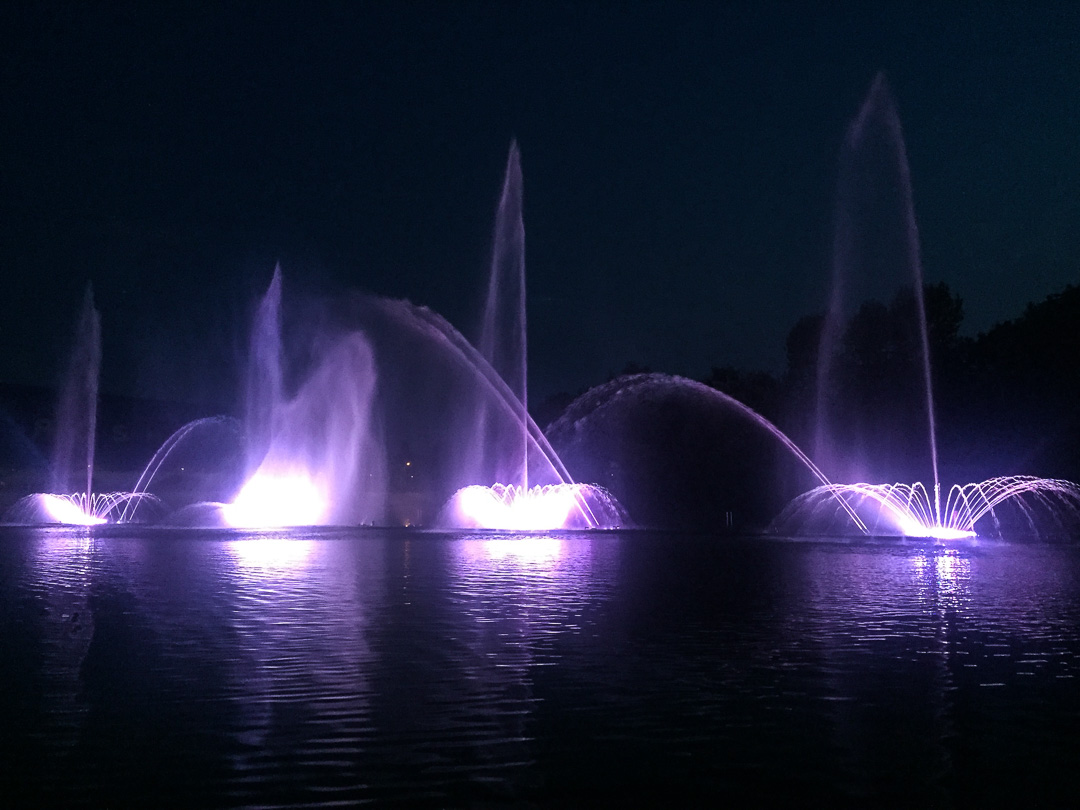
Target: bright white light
(912, 527)
(268, 501)
(913, 512)
(509, 507)
(946, 533)
(64, 510)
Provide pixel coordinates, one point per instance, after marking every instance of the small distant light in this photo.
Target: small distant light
(408, 463)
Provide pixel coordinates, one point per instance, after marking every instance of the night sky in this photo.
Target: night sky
(679, 162)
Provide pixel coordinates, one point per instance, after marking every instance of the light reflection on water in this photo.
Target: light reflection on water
(454, 668)
(271, 552)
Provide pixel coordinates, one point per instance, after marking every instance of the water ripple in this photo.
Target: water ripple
(454, 669)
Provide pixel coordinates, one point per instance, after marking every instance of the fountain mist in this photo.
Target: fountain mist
(75, 442)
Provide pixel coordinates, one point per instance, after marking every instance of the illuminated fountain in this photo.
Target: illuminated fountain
(1016, 505)
(650, 436)
(876, 238)
(307, 453)
(74, 442)
(313, 453)
(320, 422)
(503, 450)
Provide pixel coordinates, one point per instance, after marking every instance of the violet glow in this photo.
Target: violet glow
(874, 163)
(534, 549)
(593, 507)
(67, 509)
(315, 446)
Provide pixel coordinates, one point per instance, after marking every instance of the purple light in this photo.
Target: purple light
(314, 446)
(911, 527)
(76, 509)
(509, 507)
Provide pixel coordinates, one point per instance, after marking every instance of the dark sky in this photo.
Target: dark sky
(679, 163)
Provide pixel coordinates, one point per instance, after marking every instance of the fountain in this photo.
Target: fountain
(316, 450)
(75, 442)
(325, 410)
(875, 244)
(1015, 505)
(503, 339)
(876, 236)
(321, 422)
(501, 448)
(313, 455)
(671, 439)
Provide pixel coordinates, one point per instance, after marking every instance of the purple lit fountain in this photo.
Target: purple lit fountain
(533, 490)
(309, 451)
(313, 453)
(321, 424)
(74, 442)
(876, 239)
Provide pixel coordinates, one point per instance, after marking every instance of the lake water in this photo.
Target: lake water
(147, 666)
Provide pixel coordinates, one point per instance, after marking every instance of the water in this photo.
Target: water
(875, 245)
(314, 454)
(76, 412)
(503, 339)
(496, 460)
(864, 413)
(452, 669)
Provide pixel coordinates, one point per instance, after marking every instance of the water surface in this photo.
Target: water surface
(416, 668)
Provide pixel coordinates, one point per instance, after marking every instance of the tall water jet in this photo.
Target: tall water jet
(875, 233)
(875, 241)
(76, 412)
(503, 341)
(263, 391)
(72, 499)
(511, 502)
